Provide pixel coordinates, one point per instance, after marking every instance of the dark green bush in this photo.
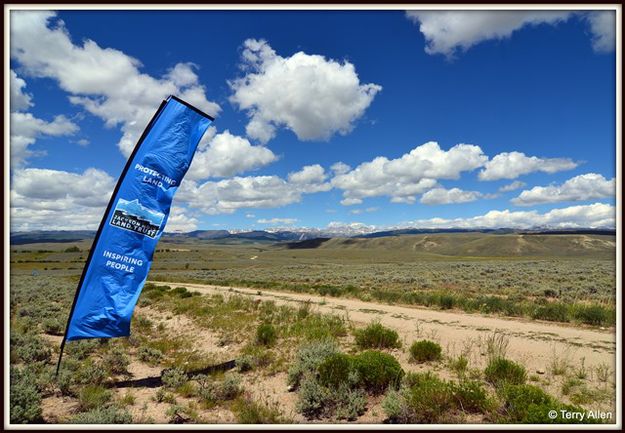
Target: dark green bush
(425, 350)
(335, 370)
(471, 396)
(181, 292)
(72, 249)
(523, 401)
(25, 399)
(266, 334)
(502, 371)
(554, 311)
(377, 371)
(446, 302)
(427, 400)
(594, 315)
(377, 336)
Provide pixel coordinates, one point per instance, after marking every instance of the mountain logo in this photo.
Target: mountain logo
(133, 216)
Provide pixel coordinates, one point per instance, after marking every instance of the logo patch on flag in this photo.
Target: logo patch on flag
(133, 216)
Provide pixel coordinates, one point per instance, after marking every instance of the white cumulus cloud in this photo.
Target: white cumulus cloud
(20, 100)
(104, 81)
(228, 195)
(596, 215)
(43, 199)
(450, 32)
(448, 196)
(26, 129)
(312, 96)
(510, 165)
(412, 174)
(180, 222)
(517, 184)
(603, 29)
(311, 178)
(583, 187)
(226, 155)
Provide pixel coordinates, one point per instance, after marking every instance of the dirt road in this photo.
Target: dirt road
(536, 344)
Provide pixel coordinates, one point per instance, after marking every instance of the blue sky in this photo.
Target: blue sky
(528, 96)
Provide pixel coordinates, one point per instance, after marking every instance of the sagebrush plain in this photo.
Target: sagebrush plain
(437, 328)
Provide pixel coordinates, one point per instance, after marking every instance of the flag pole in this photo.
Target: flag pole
(97, 235)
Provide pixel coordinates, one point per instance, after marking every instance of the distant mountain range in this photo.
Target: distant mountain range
(273, 236)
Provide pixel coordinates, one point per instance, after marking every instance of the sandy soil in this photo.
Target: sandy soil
(534, 343)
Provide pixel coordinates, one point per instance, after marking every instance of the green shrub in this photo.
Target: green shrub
(459, 365)
(377, 336)
(90, 372)
(107, 415)
(29, 348)
(212, 391)
(174, 378)
(555, 312)
(150, 355)
(395, 407)
(53, 326)
(266, 334)
(377, 371)
(128, 399)
(427, 400)
(335, 370)
(471, 396)
(524, 401)
(25, 399)
(81, 349)
(529, 404)
(256, 356)
(249, 411)
(341, 402)
(502, 371)
(308, 358)
(313, 398)
(349, 403)
(425, 350)
(116, 360)
(446, 302)
(181, 292)
(93, 396)
(594, 315)
(244, 363)
(162, 396)
(72, 249)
